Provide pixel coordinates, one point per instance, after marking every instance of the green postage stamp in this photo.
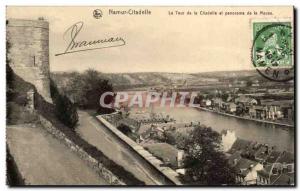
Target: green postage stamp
(272, 50)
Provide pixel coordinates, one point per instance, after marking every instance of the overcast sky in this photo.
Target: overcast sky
(154, 43)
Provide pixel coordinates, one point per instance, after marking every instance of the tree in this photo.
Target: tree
(87, 88)
(248, 83)
(9, 84)
(65, 110)
(175, 138)
(75, 87)
(240, 111)
(94, 92)
(124, 129)
(224, 96)
(9, 75)
(205, 163)
(53, 90)
(210, 96)
(198, 99)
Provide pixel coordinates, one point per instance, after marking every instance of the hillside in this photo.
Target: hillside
(136, 80)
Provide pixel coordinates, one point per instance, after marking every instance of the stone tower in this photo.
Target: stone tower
(29, 52)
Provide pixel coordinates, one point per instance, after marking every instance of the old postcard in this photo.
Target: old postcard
(139, 96)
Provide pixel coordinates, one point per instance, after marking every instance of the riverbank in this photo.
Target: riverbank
(245, 118)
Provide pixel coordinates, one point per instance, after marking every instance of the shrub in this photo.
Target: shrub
(66, 111)
(86, 89)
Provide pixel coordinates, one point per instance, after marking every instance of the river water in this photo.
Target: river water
(281, 137)
(273, 135)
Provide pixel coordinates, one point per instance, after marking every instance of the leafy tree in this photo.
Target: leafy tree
(224, 96)
(53, 90)
(74, 88)
(205, 163)
(94, 92)
(124, 129)
(9, 75)
(65, 110)
(240, 111)
(175, 138)
(9, 82)
(87, 88)
(210, 96)
(198, 99)
(248, 83)
(170, 137)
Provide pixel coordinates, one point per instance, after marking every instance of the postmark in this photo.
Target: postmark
(272, 50)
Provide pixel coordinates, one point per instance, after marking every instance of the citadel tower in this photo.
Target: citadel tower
(29, 52)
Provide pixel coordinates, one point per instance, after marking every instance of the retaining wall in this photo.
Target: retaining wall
(169, 176)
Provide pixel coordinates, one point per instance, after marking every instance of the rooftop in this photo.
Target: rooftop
(272, 158)
(283, 179)
(245, 164)
(239, 145)
(286, 157)
(164, 151)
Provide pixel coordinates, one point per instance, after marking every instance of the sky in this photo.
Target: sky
(154, 43)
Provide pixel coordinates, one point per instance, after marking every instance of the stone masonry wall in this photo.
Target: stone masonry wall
(166, 174)
(29, 52)
(92, 162)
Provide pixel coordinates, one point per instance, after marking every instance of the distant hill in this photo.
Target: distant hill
(141, 79)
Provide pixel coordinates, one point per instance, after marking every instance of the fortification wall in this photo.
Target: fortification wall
(167, 175)
(29, 52)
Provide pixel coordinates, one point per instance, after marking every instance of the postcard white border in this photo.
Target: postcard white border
(3, 4)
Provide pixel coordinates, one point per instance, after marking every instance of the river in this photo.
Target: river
(281, 137)
(273, 135)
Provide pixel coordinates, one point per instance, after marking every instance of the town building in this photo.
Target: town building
(246, 171)
(170, 155)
